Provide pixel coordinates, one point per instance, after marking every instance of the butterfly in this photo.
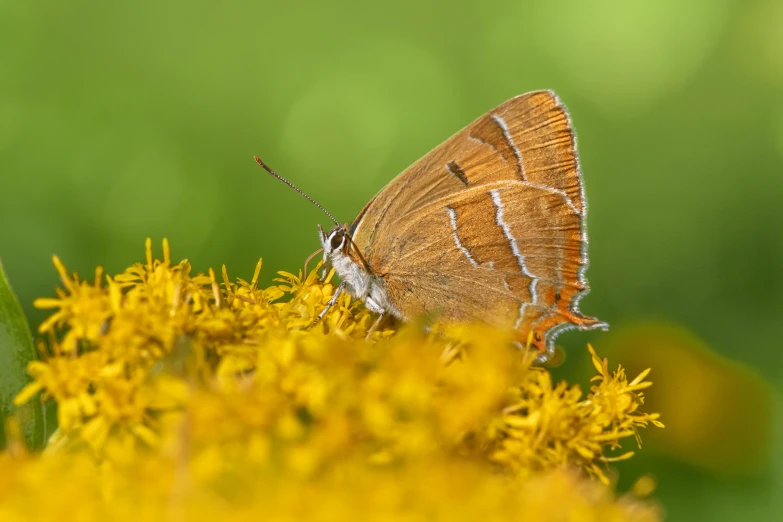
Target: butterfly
(489, 226)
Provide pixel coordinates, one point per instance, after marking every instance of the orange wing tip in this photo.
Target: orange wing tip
(544, 340)
(598, 325)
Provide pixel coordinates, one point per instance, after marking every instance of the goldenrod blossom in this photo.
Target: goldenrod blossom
(223, 391)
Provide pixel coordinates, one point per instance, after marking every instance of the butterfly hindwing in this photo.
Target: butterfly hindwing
(489, 225)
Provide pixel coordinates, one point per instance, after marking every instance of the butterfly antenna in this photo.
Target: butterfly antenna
(281, 178)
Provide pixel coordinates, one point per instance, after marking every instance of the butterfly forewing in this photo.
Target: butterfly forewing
(489, 225)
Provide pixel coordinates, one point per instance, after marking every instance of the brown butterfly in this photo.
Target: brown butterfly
(488, 226)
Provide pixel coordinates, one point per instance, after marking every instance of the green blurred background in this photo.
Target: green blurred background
(120, 121)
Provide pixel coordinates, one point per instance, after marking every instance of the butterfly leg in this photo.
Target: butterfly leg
(375, 324)
(325, 264)
(374, 307)
(325, 268)
(330, 304)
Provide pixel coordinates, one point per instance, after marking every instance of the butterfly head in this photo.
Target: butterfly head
(334, 241)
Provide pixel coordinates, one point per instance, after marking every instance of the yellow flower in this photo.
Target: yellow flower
(224, 388)
(154, 490)
(550, 424)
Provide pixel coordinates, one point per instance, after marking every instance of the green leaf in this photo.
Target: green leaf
(16, 350)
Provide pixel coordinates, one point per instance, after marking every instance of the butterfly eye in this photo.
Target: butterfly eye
(336, 241)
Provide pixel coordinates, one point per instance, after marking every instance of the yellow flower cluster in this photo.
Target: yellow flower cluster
(179, 395)
(68, 488)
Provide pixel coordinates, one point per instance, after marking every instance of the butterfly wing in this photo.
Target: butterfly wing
(527, 138)
(489, 225)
